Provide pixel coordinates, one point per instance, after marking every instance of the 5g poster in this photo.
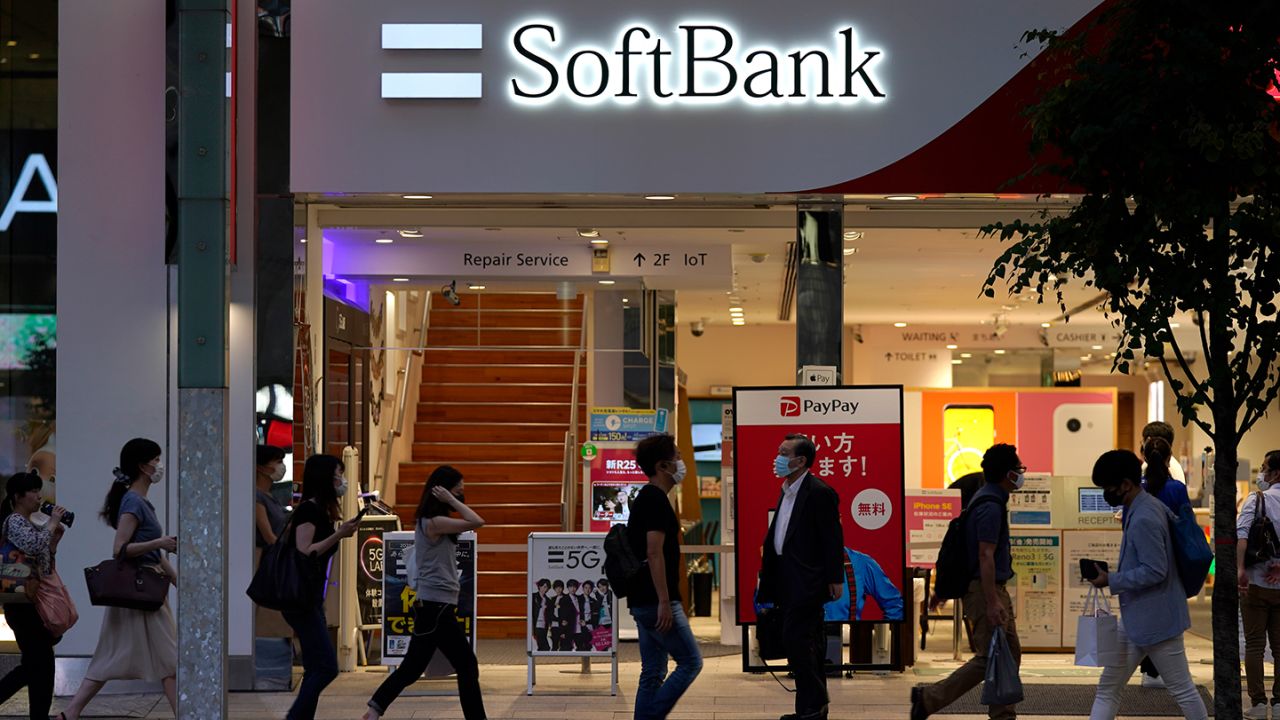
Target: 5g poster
(571, 608)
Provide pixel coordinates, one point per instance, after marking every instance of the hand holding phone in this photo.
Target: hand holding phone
(1089, 568)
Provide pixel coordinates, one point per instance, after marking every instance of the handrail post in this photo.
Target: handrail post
(402, 389)
(568, 492)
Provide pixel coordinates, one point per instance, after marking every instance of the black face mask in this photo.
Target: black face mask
(1114, 496)
(462, 497)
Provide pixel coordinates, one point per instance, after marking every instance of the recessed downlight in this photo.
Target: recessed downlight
(416, 197)
(957, 362)
(659, 197)
(1046, 325)
(399, 279)
(600, 242)
(735, 308)
(588, 233)
(410, 233)
(384, 241)
(899, 324)
(952, 347)
(475, 287)
(966, 356)
(901, 198)
(1174, 325)
(608, 282)
(1000, 352)
(1096, 347)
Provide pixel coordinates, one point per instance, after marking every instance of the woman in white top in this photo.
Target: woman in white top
(1260, 590)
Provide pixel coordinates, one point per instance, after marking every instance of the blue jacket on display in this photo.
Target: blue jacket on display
(870, 580)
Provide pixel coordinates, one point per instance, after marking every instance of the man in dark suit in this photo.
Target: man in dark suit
(540, 615)
(803, 569)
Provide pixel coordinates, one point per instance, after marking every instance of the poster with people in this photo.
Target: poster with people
(571, 608)
(398, 596)
(858, 435)
(614, 482)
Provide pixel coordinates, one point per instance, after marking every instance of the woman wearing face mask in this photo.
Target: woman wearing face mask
(135, 644)
(1153, 603)
(435, 580)
(316, 534)
(269, 514)
(22, 500)
(1260, 591)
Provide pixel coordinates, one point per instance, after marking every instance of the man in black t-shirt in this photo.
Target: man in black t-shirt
(654, 599)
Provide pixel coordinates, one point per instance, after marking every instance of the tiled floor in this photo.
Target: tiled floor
(722, 692)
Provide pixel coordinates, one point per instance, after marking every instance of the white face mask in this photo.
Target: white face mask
(680, 472)
(277, 474)
(341, 488)
(1261, 481)
(157, 475)
(1019, 481)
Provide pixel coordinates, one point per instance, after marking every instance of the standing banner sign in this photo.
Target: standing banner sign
(572, 614)
(371, 558)
(398, 621)
(614, 479)
(858, 433)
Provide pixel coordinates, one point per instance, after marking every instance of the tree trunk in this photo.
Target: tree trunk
(1226, 595)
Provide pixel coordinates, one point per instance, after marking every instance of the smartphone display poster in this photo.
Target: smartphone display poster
(967, 432)
(614, 481)
(1078, 545)
(929, 512)
(571, 609)
(859, 439)
(399, 621)
(1037, 567)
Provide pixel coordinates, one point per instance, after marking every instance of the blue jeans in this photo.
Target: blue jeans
(319, 659)
(657, 692)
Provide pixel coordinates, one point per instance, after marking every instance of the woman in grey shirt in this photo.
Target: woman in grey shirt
(435, 580)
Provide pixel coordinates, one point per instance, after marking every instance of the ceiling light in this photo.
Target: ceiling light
(1174, 325)
(999, 352)
(852, 235)
(1096, 347)
(659, 197)
(739, 321)
(626, 300)
(410, 234)
(11, 43)
(957, 362)
(1046, 325)
(899, 324)
(850, 251)
(475, 287)
(384, 241)
(600, 242)
(966, 356)
(735, 309)
(1086, 357)
(952, 347)
(416, 197)
(303, 241)
(399, 279)
(897, 198)
(588, 233)
(737, 316)
(33, 56)
(607, 282)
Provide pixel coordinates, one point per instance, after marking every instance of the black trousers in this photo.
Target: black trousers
(36, 671)
(806, 644)
(540, 639)
(435, 626)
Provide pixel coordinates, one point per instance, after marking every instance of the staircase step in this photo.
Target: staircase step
(500, 583)
(417, 473)
(509, 301)
(520, 514)
(498, 356)
(501, 627)
(504, 605)
(499, 412)
(489, 374)
(502, 561)
(529, 318)
(566, 338)
(491, 392)
(465, 451)
(512, 534)
(490, 493)
(467, 432)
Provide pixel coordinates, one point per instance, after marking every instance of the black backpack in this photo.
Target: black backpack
(955, 567)
(620, 562)
(1263, 544)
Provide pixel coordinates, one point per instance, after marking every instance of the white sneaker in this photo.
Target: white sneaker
(1257, 712)
(1154, 682)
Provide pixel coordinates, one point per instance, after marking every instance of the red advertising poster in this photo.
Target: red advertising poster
(615, 481)
(858, 433)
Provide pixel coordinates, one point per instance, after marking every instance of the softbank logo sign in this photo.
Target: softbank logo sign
(789, 406)
(694, 63)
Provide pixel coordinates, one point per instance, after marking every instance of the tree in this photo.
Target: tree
(1163, 115)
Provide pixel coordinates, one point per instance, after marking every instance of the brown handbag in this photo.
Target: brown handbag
(126, 584)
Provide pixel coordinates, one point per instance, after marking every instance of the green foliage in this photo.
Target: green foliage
(1160, 113)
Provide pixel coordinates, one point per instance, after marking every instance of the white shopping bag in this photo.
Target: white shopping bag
(1097, 633)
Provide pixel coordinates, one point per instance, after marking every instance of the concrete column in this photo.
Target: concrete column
(820, 284)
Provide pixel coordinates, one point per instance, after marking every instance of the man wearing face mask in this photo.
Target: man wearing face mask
(1260, 591)
(654, 533)
(269, 513)
(987, 604)
(802, 569)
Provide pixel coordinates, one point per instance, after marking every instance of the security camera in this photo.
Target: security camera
(450, 293)
(759, 257)
(697, 327)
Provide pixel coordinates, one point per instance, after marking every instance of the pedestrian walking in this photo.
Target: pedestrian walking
(1260, 592)
(435, 580)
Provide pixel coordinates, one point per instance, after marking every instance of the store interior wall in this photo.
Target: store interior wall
(726, 355)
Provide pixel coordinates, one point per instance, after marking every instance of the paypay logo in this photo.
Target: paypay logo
(789, 406)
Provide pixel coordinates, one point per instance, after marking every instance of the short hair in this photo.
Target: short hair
(1115, 466)
(997, 461)
(543, 581)
(268, 454)
(557, 585)
(653, 450)
(572, 583)
(1272, 460)
(1158, 429)
(602, 582)
(588, 582)
(804, 448)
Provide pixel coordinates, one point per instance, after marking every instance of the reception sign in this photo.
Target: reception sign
(858, 433)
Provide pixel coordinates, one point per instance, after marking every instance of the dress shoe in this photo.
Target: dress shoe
(917, 704)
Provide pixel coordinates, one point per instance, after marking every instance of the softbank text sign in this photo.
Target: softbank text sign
(692, 63)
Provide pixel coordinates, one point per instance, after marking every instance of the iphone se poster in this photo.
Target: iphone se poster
(858, 434)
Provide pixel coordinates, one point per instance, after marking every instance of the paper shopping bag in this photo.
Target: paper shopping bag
(1097, 633)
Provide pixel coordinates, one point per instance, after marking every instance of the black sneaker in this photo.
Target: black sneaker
(917, 704)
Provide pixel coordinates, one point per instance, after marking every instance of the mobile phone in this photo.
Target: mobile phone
(1089, 568)
(363, 510)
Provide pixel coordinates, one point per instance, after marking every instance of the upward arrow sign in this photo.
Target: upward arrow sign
(639, 258)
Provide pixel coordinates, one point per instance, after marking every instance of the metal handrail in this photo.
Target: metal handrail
(402, 391)
(568, 497)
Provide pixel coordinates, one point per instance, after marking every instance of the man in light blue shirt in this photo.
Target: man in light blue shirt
(1260, 591)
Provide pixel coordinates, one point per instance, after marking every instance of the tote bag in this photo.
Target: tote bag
(1002, 686)
(286, 579)
(54, 605)
(1097, 632)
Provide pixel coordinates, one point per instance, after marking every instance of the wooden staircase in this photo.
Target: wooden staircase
(497, 385)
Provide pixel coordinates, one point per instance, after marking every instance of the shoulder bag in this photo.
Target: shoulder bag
(286, 579)
(1263, 544)
(54, 605)
(124, 583)
(17, 579)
